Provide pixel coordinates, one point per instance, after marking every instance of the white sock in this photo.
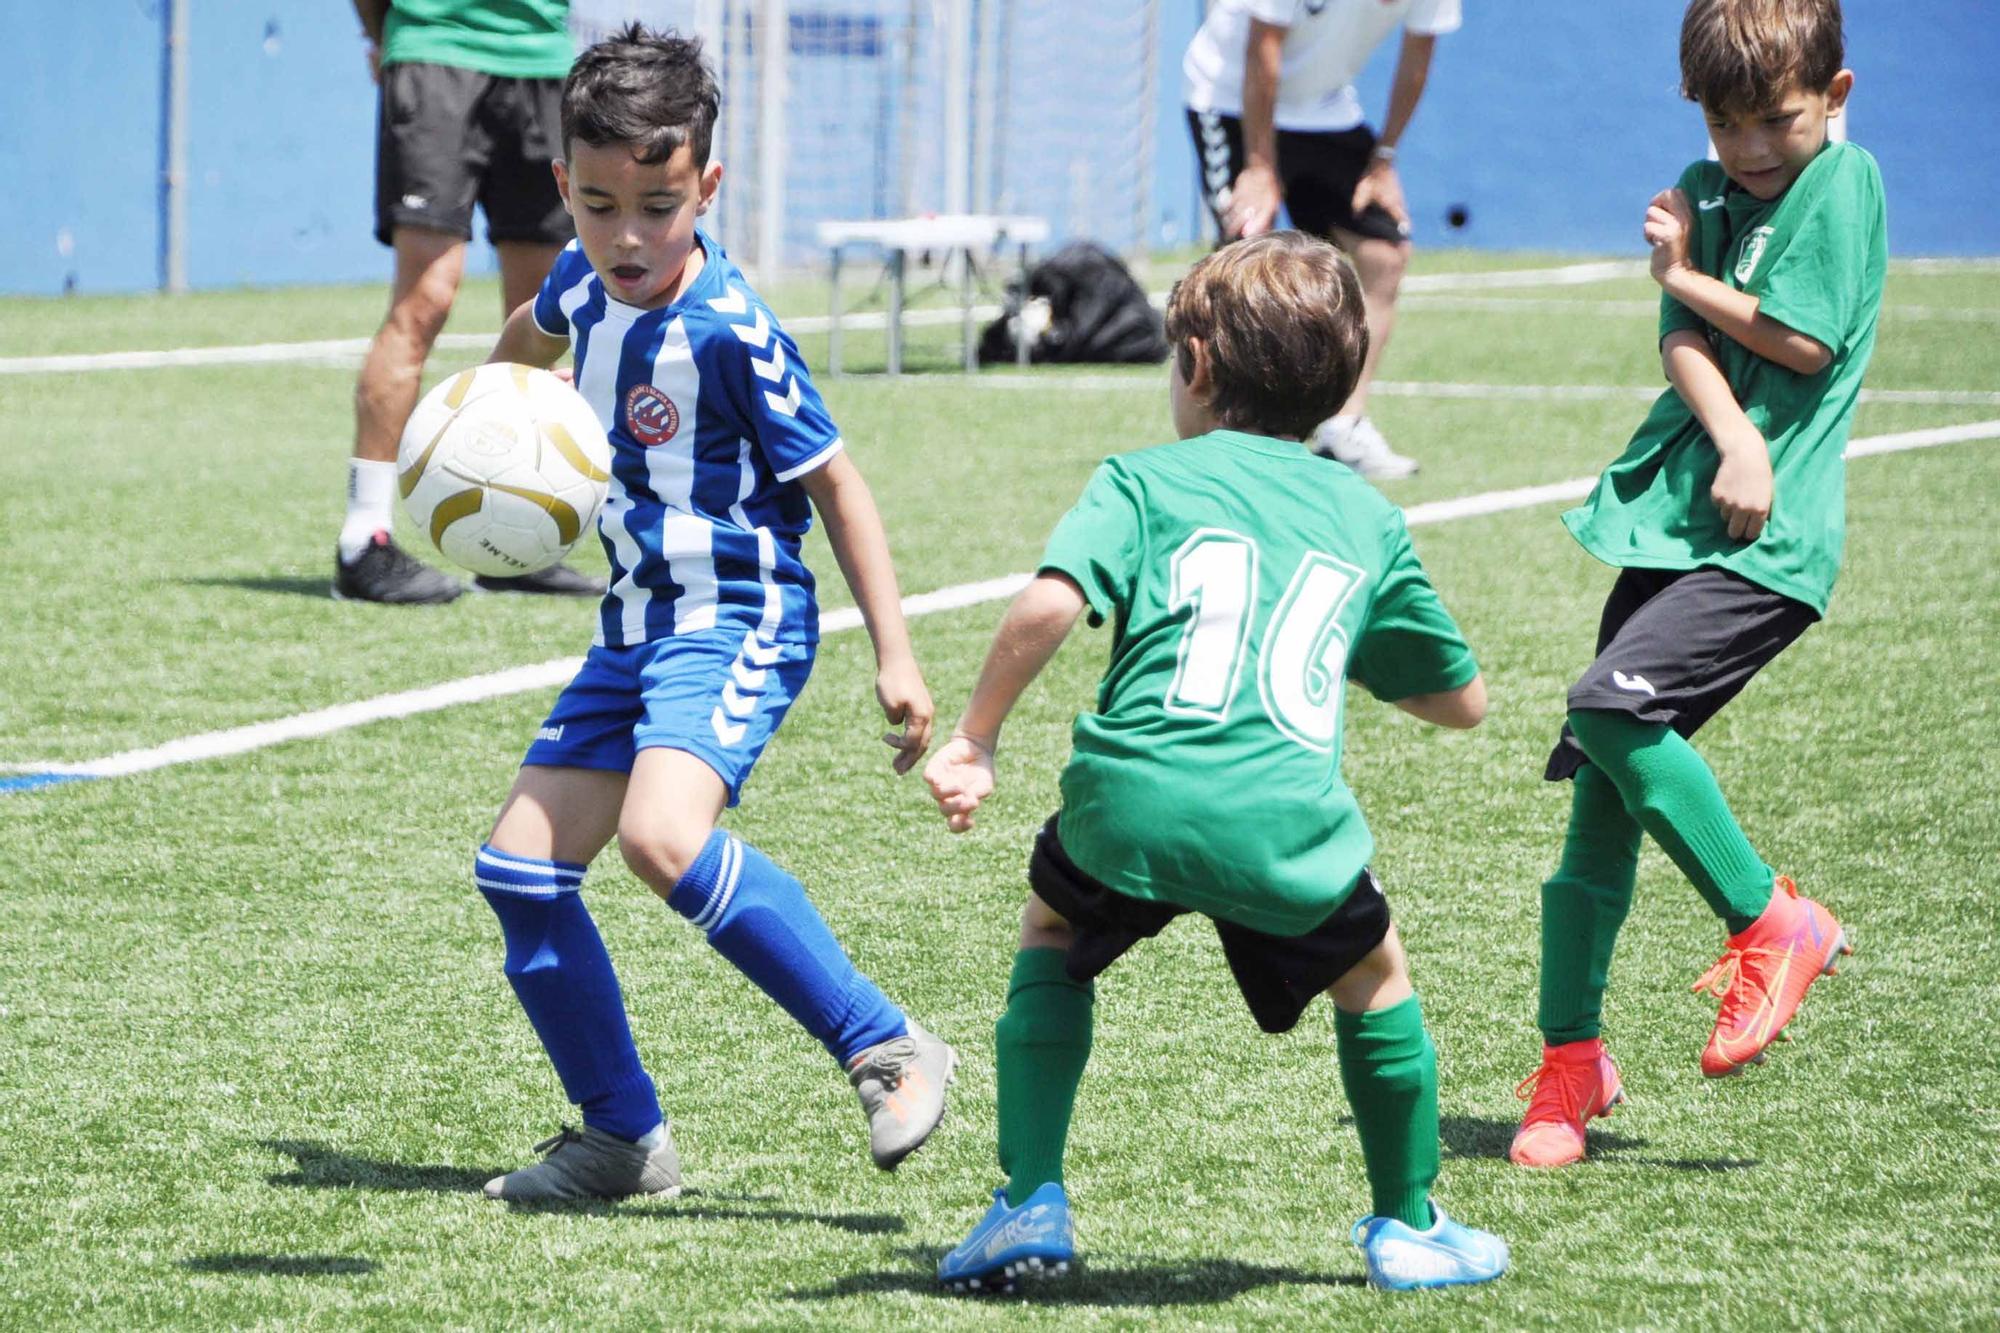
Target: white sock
(653, 1137)
(371, 498)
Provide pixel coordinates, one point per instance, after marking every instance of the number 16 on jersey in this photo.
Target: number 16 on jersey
(1303, 662)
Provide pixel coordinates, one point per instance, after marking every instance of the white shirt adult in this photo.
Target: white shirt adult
(1290, 65)
(1326, 45)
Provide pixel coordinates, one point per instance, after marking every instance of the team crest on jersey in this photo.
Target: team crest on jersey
(650, 415)
(1753, 250)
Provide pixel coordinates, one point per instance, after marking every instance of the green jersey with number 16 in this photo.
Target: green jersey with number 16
(1247, 580)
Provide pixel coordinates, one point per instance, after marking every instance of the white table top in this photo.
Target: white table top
(937, 231)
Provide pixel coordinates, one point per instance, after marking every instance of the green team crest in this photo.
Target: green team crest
(1753, 250)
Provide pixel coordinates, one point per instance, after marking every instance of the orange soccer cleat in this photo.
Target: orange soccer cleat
(1763, 975)
(1576, 1083)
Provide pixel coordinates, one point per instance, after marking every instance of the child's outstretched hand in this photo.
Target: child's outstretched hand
(899, 688)
(1669, 224)
(960, 777)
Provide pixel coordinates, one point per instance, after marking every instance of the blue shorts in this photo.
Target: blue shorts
(718, 694)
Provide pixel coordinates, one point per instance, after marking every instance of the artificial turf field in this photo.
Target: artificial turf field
(257, 1056)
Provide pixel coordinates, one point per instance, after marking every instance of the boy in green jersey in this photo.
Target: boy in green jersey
(1725, 516)
(1247, 579)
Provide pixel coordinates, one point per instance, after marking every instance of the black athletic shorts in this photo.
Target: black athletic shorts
(447, 138)
(1318, 171)
(1675, 645)
(1278, 974)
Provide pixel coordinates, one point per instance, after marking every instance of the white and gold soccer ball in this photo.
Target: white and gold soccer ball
(505, 467)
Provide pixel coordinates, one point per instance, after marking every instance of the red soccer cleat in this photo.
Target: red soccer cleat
(1576, 1083)
(1763, 975)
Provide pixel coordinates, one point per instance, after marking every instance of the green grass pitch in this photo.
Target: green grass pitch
(256, 1053)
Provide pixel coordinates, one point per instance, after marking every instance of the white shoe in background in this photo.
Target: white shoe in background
(1357, 442)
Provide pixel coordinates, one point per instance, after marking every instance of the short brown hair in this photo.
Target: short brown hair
(652, 91)
(1286, 333)
(1744, 55)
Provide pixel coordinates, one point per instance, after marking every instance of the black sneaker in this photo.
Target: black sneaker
(384, 572)
(555, 581)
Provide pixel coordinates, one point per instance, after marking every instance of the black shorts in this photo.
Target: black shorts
(1278, 974)
(447, 138)
(1317, 170)
(1675, 645)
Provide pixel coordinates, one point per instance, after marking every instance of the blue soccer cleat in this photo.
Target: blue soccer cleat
(1401, 1258)
(1034, 1240)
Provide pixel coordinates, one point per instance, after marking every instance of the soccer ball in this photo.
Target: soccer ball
(505, 467)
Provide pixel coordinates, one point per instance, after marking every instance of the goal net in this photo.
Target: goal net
(868, 109)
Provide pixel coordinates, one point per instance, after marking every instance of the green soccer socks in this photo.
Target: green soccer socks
(1041, 1045)
(1583, 904)
(1389, 1068)
(1673, 794)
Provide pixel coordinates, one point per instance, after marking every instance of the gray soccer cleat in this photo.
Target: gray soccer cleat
(590, 1164)
(901, 1082)
(384, 572)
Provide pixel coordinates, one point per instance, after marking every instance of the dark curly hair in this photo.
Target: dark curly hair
(651, 90)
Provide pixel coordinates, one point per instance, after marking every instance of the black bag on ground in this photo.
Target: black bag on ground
(1097, 312)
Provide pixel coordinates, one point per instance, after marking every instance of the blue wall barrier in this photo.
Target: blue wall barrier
(1549, 125)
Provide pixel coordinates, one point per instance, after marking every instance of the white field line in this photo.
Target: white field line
(548, 675)
(1948, 264)
(1006, 379)
(346, 353)
(1651, 309)
(1568, 275)
(1644, 392)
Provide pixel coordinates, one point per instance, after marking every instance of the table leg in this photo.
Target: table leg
(1021, 338)
(965, 308)
(896, 262)
(833, 320)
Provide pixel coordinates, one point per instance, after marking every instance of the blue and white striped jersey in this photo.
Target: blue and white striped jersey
(712, 420)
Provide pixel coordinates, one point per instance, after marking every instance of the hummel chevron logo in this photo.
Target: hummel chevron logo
(749, 678)
(1635, 683)
(729, 733)
(758, 333)
(773, 369)
(759, 653)
(735, 703)
(733, 304)
(788, 403)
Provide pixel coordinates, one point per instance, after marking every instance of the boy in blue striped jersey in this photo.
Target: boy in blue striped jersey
(721, 449)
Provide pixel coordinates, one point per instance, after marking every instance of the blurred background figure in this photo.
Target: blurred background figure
(468, 113)
(1269, 86)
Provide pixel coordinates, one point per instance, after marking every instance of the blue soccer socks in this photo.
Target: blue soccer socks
(759, 918)
(564, 980)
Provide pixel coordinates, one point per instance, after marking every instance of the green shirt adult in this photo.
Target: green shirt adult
(1815, 258)
(510, 39)
(1247, 580)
